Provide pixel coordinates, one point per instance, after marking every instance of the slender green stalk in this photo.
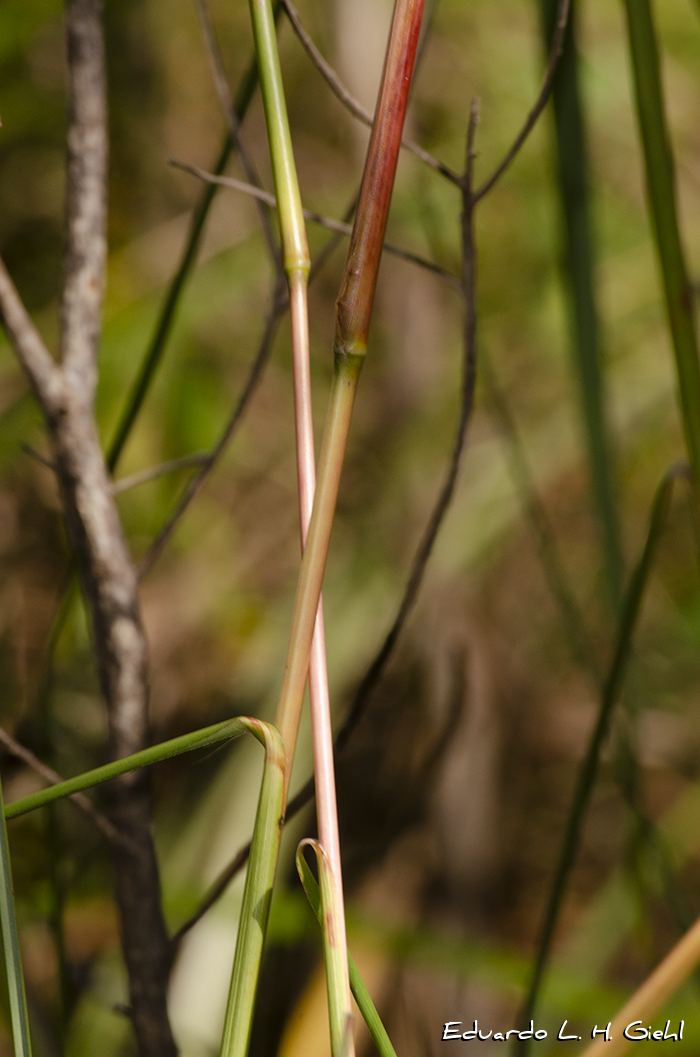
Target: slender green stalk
(13, 961)
(362, 996)
(257, 895)
(661, 192)
(294, 245)
(261, 868)
(295, 261)
(336, 960)
(352, 325)
(579, 263)
(317, 540)
(629, 614)
(354, 310)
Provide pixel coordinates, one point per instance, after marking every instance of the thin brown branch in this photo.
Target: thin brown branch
(53, 778)
(279, 305)
(228, 110)
(214, 894)
(348, 100)
(540, 103)
(339, 226)
(442, 503)
(43, 460)
(133, 480)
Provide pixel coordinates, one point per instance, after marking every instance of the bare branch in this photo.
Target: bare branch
(227, 181)
(279, 304)
(214, 894)
(153, 472)
(124, 484)
(540, 102)
(349, 101)
(53, 778)
(442, 503)
(38, 457)
(40, 367)
(338, 226)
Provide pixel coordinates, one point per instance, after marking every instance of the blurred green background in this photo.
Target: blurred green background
(454, 790)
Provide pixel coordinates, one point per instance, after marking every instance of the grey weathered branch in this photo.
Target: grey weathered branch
(43, 373)
(65, 392)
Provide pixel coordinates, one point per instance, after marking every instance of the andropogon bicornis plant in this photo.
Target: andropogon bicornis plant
(501, 731)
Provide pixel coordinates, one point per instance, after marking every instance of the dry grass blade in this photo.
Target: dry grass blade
(629, 1025)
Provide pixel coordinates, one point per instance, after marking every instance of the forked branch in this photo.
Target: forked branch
(65, 392)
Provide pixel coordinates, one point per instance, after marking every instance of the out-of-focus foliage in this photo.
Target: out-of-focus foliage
(455, 789)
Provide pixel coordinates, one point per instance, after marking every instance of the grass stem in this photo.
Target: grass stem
(295, 261)
(661, 192)
(13, 960)
(579, 266)
(668, 976)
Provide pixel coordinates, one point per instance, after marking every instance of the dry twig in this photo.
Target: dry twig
(228, 110)
(339, 226)
(53, 778)
(349, 101)
(539, 104)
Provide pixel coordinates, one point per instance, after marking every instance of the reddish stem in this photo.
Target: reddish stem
(354, 305)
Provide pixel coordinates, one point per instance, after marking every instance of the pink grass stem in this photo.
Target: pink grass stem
(324, 770)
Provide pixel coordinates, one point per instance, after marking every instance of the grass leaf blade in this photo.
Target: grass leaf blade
(361, 994)
(257, 894)
(13, 961)
(163, 751)
(579, 264)
(661, 191)
(627, 623)
(339, 1012)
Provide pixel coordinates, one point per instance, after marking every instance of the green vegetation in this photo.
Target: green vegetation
(512, 601)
